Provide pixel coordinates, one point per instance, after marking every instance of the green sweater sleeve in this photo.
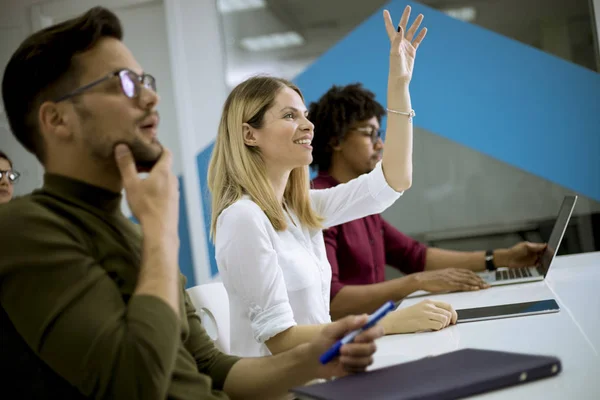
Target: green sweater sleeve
(73, 315)
(209, 359)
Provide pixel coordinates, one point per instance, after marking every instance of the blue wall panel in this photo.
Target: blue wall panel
(485, 91)
(203, 159)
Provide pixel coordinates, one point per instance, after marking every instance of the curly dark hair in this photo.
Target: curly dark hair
(334, 113)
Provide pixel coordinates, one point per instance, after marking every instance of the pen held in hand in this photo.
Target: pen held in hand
(374, 318)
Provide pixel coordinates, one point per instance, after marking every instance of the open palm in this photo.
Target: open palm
(403, 45)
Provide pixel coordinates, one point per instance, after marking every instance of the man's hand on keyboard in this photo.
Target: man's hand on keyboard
(449, 280)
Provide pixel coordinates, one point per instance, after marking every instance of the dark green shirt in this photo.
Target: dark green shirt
(69, 264)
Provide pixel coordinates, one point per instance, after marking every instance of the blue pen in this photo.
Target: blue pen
(334, 351)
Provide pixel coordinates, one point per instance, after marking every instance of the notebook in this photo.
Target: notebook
(452, 375)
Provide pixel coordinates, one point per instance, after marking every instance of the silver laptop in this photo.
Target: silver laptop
(507, 276)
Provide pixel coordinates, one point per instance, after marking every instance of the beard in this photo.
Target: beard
(145, 155)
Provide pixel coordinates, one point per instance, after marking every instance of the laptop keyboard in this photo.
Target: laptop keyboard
(513, 273)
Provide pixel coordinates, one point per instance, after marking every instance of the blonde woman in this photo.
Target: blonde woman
(267, 223)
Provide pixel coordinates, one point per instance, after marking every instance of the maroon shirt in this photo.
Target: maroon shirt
(359, 250)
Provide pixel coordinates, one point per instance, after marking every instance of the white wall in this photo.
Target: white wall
(15, 25)
(198, 62)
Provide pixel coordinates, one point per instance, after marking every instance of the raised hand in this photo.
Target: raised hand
(404, 44)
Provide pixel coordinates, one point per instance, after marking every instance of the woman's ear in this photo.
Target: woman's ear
(249, 135)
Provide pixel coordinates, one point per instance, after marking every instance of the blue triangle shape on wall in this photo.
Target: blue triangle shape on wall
(495, 95)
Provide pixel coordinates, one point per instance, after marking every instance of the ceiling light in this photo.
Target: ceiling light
(466, 14)
(272, 41)
(229, 6)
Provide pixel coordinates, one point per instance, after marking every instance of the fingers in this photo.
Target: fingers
(444, 317)
(463, 287)
(397, 42)
(457, 284)
(436, 324)
(358, 350)
(454, 317)
(440, 304)
(338, 329)
(396, 35)
(166, 160)
(437, 321)
(370, 335)
(413, 28)
(353, 364)
(126, 164)
(357, 357)
(478, 280)
(474, 283)
(540, 253)
(463, 283)
(420, 38)
(536, 247)
(437, 314)
(389, 25)
(405, 17)
(466, 277)
(447, 307)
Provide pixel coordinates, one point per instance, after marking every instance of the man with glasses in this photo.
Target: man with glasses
(88, 308)
(347, 144)
(8, 177)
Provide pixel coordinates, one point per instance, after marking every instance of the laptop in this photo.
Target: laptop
(507, 276)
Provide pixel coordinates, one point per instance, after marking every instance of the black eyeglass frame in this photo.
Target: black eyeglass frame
(126, 77)
(12, 180)
(375, 134)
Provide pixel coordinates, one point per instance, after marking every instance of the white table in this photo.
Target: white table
(573, 334)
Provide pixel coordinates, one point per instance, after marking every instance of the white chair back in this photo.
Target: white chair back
(212, 306)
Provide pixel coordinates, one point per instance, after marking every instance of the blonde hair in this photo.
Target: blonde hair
(236, 169)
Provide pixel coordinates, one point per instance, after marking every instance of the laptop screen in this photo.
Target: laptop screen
(560, 226)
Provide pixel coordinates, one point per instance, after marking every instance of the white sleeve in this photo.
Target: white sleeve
(249, 268)
(366, 195)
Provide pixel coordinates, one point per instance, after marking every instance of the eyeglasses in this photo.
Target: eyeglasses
(130, 84)
(12, 176)
(374, 133)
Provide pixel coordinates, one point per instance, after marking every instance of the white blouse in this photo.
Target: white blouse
(276, 280)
